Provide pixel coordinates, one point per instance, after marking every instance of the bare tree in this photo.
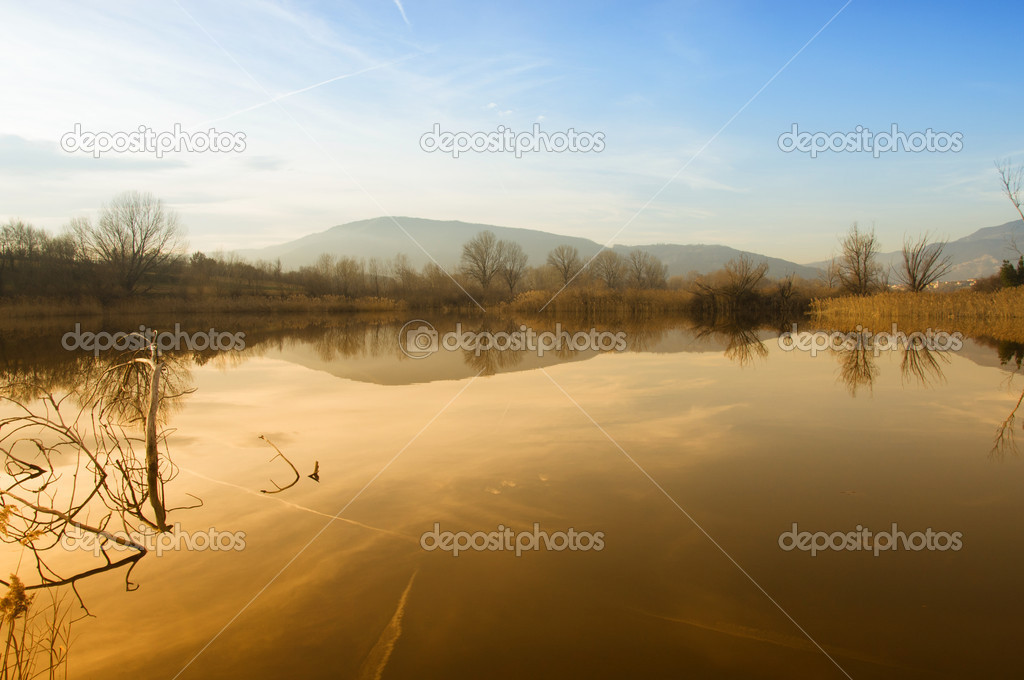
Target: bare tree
(375, 275)
(136, 236)
(79, 230)
(348, 275)
(858, 268)
(323, 281)
(923, 263)
(566, 261)
(404, 274)
(480, 260)
(610, 268)
(20, 240)
(645, 270)
(1012, 179)
(511, 264)
(60, 249)
(743, 276)
(830, 275)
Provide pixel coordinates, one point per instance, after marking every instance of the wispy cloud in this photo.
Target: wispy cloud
(398, 4)
(301, 90)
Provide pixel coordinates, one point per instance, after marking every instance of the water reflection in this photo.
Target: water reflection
(858, 367)
(1010, 353)
(923, 366)
(315, 476)
(1011, 357)
(83, 467)
(672, 381)
(365, 343)
(742, 342)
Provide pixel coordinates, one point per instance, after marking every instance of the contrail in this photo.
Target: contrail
(301, 90)
(398, 4)
(377, 659)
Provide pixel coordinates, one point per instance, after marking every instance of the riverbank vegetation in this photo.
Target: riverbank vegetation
(133, 260)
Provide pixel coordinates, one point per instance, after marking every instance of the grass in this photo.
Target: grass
(1007, 303)
(998, 314)
(41, 308)
(589, 303)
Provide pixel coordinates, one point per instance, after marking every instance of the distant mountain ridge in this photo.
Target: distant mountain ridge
(976, 255)
(380, 237)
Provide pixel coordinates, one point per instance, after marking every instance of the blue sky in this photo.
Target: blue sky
(333, 98)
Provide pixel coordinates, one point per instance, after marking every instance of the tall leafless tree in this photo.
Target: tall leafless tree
(511, 264)
(610, 268)
(923, 263)
(830, 275)
(136, 235)
(645, 270)
(859, 271)
(348, 274)
(20, 240)
(566, 261)
(480, 258)
(1012, 179)
(743, 276)
(375, 275)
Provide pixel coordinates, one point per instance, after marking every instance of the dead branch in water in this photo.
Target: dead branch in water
(285, 458)
(1005, 439)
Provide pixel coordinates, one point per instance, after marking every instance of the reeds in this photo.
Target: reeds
(1007, 303)
(601, 303)
(998, 314)
(42, 308)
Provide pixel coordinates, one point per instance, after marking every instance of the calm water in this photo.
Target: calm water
(690, 453)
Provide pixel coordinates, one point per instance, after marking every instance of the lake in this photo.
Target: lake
(648, 493)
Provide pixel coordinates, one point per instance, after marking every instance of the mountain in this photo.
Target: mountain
(973, 256)
(381, 237)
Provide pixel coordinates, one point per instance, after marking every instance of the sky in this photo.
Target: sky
(688, 98)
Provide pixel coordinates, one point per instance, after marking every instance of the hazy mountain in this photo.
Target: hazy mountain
(383, 369)
(382, 238)
(976, 255)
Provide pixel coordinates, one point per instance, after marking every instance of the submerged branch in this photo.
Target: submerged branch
(285, 458)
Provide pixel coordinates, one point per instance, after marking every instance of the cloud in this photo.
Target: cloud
(264, 162)
(301, 90)
(27, 156)
(398, 4)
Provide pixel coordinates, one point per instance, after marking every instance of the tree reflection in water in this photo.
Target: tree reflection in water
(742, 342)
(84, 455)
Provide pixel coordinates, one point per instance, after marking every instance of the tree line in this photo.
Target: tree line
(136, 246)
